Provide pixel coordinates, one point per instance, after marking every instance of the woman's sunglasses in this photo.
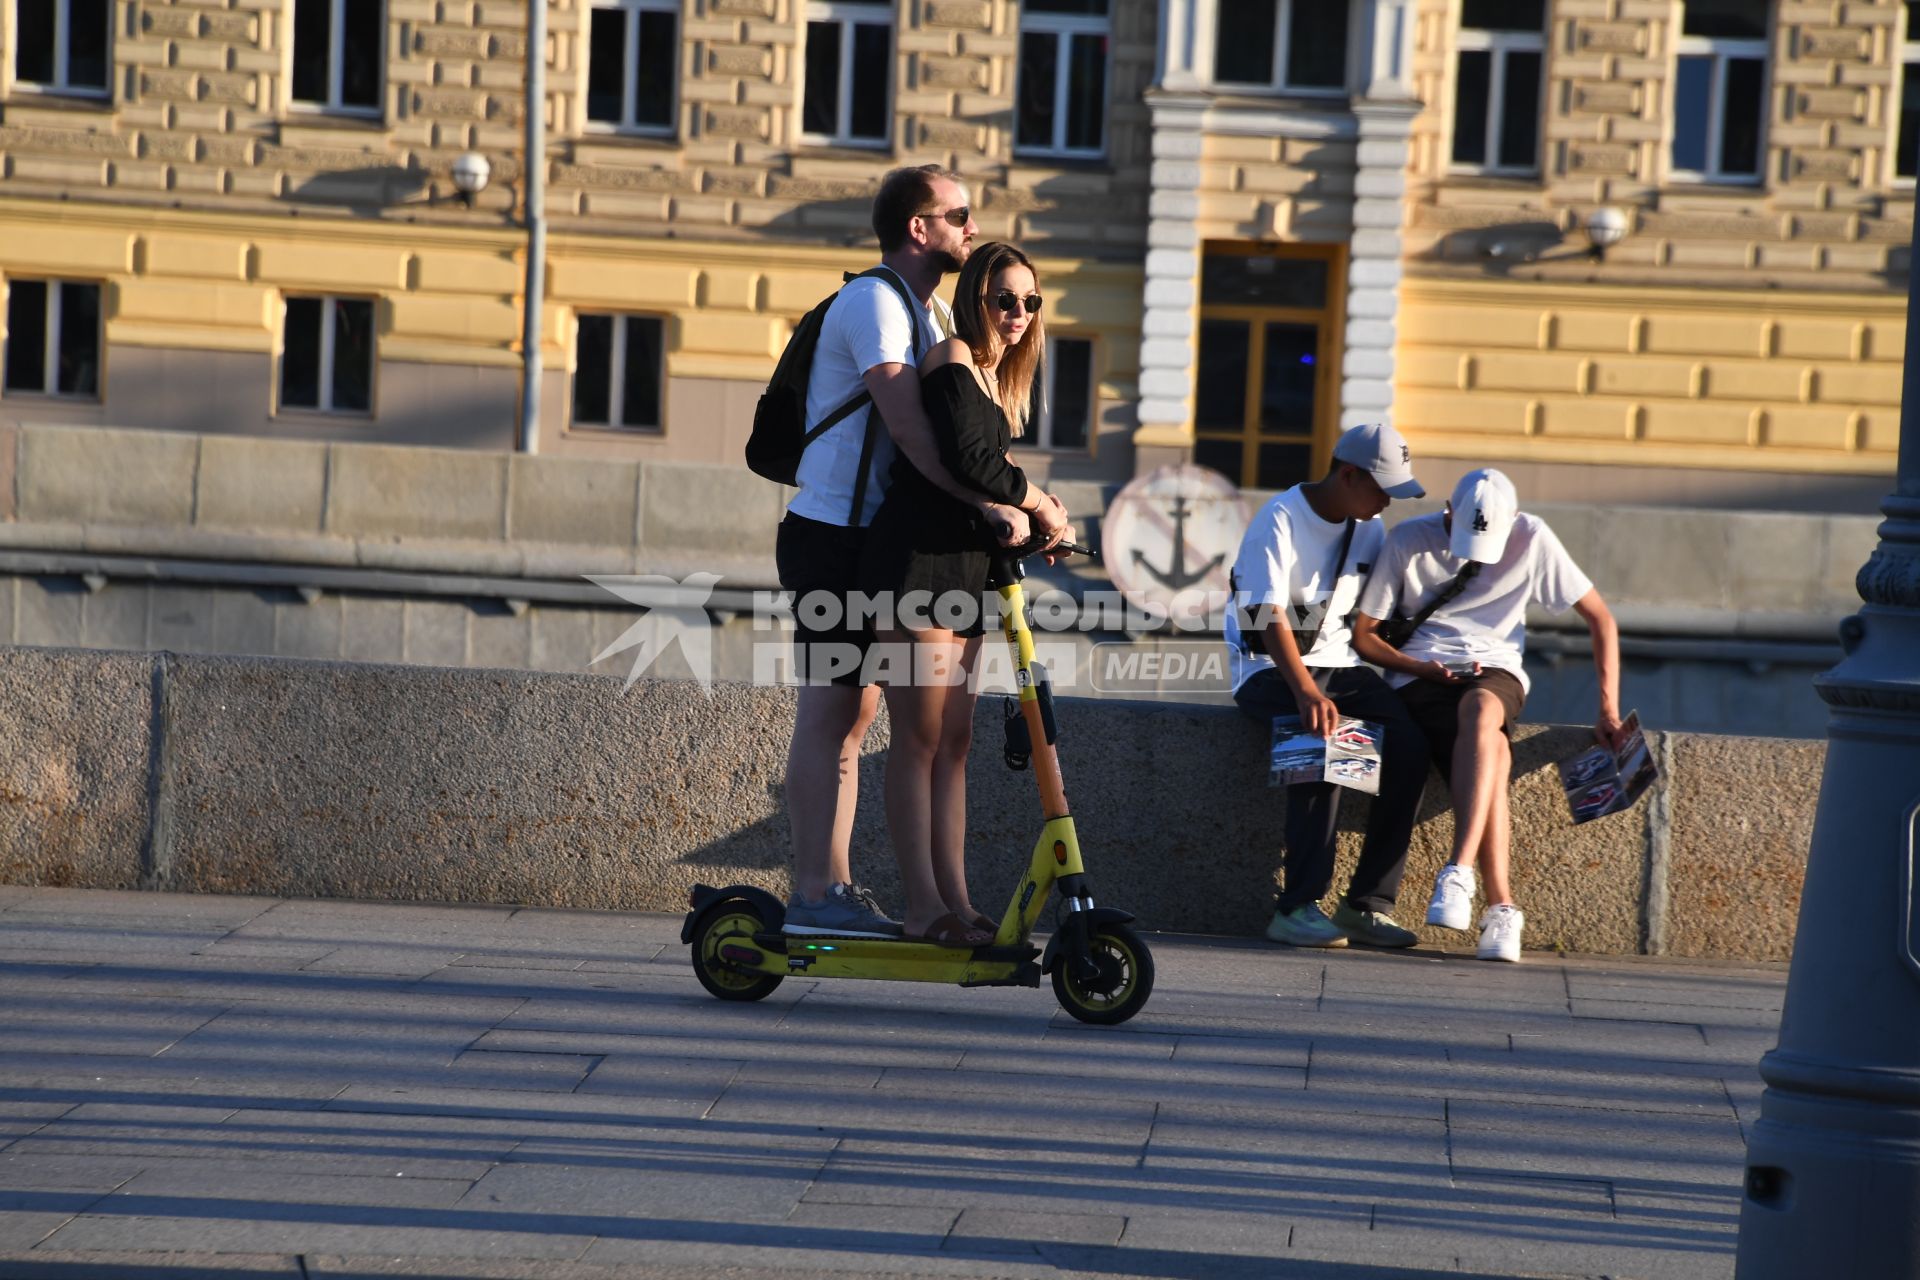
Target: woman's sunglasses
(1007, 299)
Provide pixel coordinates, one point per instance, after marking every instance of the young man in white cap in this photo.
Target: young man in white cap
(1472, 570)
(1296, 580)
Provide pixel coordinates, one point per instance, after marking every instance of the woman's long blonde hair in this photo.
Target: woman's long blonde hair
(1014, 370)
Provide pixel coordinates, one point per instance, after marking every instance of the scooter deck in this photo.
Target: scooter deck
(826, 956)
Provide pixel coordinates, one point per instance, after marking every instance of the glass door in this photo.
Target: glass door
(1267, 401)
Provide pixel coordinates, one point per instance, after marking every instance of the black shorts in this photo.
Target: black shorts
(1436, 709)
(820, 564)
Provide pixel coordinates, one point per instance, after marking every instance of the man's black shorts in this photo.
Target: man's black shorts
(1436, 709)
(814, 557)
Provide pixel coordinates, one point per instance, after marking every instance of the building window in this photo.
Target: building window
(61, 45)
(848, 70)
(633, 47)
(1281, 44)
(617, 371)
(1719, 90)
(1061, 415)
(53, 338)
(326, 358)
(338, 51)
(1063, 77)
(1906, 151)
(1496, 87)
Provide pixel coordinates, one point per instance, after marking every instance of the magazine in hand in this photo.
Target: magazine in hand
(1599, 781)
(1351, 758)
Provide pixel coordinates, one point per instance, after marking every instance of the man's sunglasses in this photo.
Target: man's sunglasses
(1007, 299)
(955, 217)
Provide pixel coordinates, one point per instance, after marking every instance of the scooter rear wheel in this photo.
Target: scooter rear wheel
(1121, 985)
(731, 922)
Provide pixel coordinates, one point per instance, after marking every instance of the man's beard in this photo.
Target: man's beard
(948, 261)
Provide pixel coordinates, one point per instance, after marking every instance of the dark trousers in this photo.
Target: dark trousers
(1313, 808)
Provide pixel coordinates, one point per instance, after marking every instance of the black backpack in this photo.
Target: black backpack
(780, 432)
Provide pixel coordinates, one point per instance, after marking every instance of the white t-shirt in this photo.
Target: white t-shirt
(1287, 559)
(1487, 622)
(867, 325)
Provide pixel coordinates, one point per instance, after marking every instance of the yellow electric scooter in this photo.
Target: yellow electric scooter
(1102, 971)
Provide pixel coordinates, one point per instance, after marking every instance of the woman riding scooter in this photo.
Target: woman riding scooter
(976, 387)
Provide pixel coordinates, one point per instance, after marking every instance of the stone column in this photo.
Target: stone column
(1384, 114)
(1167, 345)
(1833, 1166)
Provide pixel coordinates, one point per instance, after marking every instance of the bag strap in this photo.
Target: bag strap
(871, 440)
(1346, 541)
(1233, 585)
(1452, 589)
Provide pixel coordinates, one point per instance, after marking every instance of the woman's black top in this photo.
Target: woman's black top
(923, 538)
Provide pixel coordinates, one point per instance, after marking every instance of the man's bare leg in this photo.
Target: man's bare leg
(823, 764)
(1480, 767)
(1494, 845)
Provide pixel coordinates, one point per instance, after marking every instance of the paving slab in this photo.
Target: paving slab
(474, 1092)
(53, 1264)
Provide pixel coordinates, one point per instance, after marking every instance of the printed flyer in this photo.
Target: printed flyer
(1351, 758)
(1599, 781)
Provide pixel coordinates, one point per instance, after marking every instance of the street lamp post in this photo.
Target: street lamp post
(536, 197)
(1833, 1167)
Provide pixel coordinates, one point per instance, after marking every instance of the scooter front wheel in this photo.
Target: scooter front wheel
(1120, 984)
(732, 922)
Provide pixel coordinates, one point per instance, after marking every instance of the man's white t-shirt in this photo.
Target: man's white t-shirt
(1287, 559)
(867, 325)
(1487, 622)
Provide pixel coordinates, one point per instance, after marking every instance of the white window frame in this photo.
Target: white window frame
(1907, 60)
(617, 373)
(329, 303)
(336, 66)
(1208, 16)
(1064, 27)
(1042, 437)
(630, 68)
(1722, 49)
(1499, 44)
(846, 16)
(63, 57)
(50, 355)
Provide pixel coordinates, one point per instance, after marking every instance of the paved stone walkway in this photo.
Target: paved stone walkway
(248, 1087)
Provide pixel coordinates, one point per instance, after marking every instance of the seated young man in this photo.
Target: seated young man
(1460, 673)
(1296, 580)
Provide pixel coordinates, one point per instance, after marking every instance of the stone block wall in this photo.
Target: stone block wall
(201, 114)
(1826, 212)
(365, 781)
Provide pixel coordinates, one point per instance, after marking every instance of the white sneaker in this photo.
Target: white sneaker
(1500, 933)
(1451, 906)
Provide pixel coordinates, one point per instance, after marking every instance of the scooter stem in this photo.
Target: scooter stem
(1046, 760)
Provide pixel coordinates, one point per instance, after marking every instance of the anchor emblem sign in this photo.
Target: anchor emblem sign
(1176, 575)
(1171, 536)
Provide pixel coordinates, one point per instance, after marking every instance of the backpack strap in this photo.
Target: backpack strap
(871, 440)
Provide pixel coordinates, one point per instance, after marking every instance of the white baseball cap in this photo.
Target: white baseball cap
(1380, 450)
(1484, 505)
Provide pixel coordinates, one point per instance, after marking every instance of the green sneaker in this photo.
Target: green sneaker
(1305, 926)
(1375, 928)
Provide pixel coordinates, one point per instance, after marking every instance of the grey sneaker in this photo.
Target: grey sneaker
(1304, 926)
(848, 911)
(1375, 928)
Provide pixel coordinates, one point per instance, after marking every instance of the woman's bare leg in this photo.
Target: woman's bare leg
(949, 789)
(915, 704)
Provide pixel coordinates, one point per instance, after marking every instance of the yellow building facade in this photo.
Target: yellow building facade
(1256, 222)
